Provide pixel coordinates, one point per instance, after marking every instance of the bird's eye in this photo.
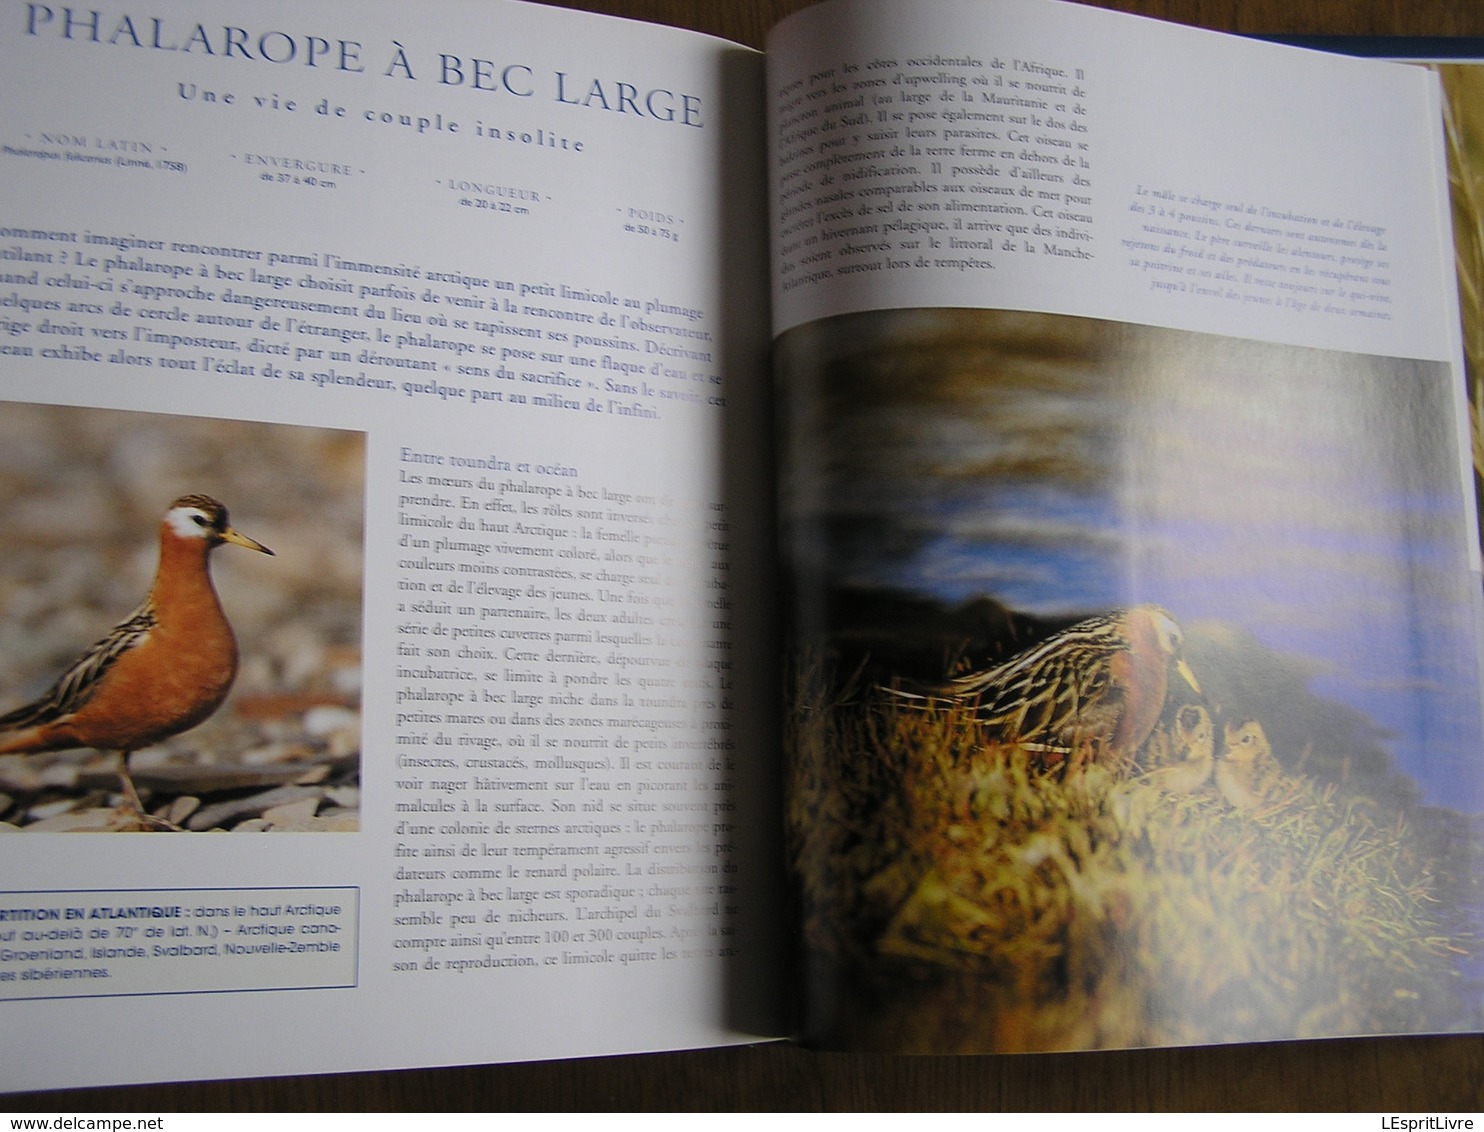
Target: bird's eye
(200, 520)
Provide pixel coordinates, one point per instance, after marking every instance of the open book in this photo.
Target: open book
(1097, 378)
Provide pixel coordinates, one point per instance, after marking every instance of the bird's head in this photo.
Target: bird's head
(1245, 743)
(202, 517)
(1170, 641)
(1194, 730)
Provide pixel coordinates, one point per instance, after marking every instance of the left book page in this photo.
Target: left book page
(460, 310)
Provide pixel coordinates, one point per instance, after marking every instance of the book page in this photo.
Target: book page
(1027, 166)
(1128, 507)
(458, 311)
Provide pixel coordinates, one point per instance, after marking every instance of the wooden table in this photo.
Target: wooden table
(1384, 1074)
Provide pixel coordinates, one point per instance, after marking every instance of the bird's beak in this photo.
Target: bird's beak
(1180, 667)
(232, 536)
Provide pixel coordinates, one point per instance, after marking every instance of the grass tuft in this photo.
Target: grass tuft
(959, 894)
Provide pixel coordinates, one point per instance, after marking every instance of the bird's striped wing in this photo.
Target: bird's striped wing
(1046, 701)
(76, 686)
(1048, 695)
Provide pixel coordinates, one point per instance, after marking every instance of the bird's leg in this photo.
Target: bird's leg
(131, 795)
(134, 806)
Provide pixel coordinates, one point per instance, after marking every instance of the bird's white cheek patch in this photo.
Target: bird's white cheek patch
(182, 521)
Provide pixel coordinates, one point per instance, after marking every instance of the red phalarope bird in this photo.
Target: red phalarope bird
(162, 670)
(1092, 692)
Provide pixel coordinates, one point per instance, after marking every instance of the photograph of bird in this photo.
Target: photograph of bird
(1092, 691)
(1178, 757)
(162, 670)
(1247, 772)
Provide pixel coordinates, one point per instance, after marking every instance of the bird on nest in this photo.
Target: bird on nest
(1180, 754)
(1090, 693)
(162, 670)
(1248, 774)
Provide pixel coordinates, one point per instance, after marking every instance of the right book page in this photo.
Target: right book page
(1133, 684)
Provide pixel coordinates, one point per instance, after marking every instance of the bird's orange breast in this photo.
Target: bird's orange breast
(162, 687)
